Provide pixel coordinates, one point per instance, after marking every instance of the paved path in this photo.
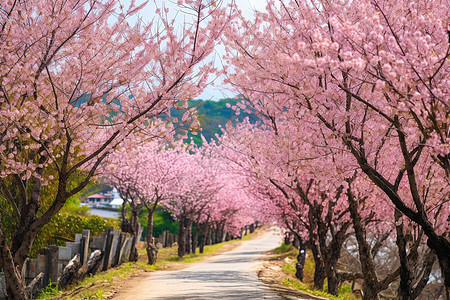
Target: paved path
(231, 275)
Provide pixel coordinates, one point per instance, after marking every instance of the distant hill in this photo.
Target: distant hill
(211, 114)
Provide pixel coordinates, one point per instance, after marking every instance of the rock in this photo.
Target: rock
(289, 260)
(69, 272)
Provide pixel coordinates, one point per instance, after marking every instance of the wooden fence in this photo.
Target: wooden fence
(166, 239)
(113, 244)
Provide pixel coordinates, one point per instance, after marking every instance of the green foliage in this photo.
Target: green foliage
(289, 268)
(212, 115)
(302, 287)
(51, 291)
(66, 225)
(283, 248)
(345, 291)
(76, 210)
(162, 220)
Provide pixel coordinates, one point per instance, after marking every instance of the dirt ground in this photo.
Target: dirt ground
(270, 273)
(119, 284)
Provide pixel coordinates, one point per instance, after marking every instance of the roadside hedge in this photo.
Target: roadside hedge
(65, 225)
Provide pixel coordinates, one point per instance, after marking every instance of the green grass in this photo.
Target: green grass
(51, 291)
(283, 251)
(345, 292)
(287, 250)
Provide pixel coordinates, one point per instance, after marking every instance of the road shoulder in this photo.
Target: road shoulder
(270, 272)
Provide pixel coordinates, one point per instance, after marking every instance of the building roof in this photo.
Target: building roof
(98, 196)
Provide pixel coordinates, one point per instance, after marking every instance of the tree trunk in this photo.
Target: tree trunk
(370, 284)
(15, 286)
(131, 226)
(134, 227)
(209, 239)
(212, 236)
(438, 243)
(327, 227)
(441, 247)
(406, 277)
(181, 237)
(133, 251)
(194, 242)
(205, 236)
(319, 269)
(188, 236)
(218, 234)
(125, 224)
(287, 238)
(333, 283)
(152, 251)
(301, 257)
(331, 254)
(222, 232)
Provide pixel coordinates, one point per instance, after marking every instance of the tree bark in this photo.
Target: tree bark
(370, 284)
(217, 233)
(438, 243)
(69, 272)
(93, 262)
(287, 238)
(131, 226)
(134, 226)
(301, 257)
(331, 253)
(406, 277)
(152, 250)
(188, 238)
(15, 286)
(35, 285)
(205, 236)
(181, 237)
(441, 247)
(194, 241)
(319, 269)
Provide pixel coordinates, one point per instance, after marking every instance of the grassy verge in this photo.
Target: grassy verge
(100, 285)
(289, 254)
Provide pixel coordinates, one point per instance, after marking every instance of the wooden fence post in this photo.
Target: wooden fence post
(84, 246)
(107, 248)
(51, 265)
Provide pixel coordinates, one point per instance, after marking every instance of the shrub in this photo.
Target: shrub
(66, 225)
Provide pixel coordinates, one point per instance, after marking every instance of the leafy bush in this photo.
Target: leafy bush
(162, 220)
(283, 248)
(66, 225)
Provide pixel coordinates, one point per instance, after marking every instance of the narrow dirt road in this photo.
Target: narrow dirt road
(231, 275)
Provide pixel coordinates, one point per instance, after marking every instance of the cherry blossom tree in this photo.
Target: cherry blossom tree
(311, 191)
(189, 194)
(374, 79)
(77, 77)
(142, 175)
(309, 202)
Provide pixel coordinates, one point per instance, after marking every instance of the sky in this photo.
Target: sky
(216, 91)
